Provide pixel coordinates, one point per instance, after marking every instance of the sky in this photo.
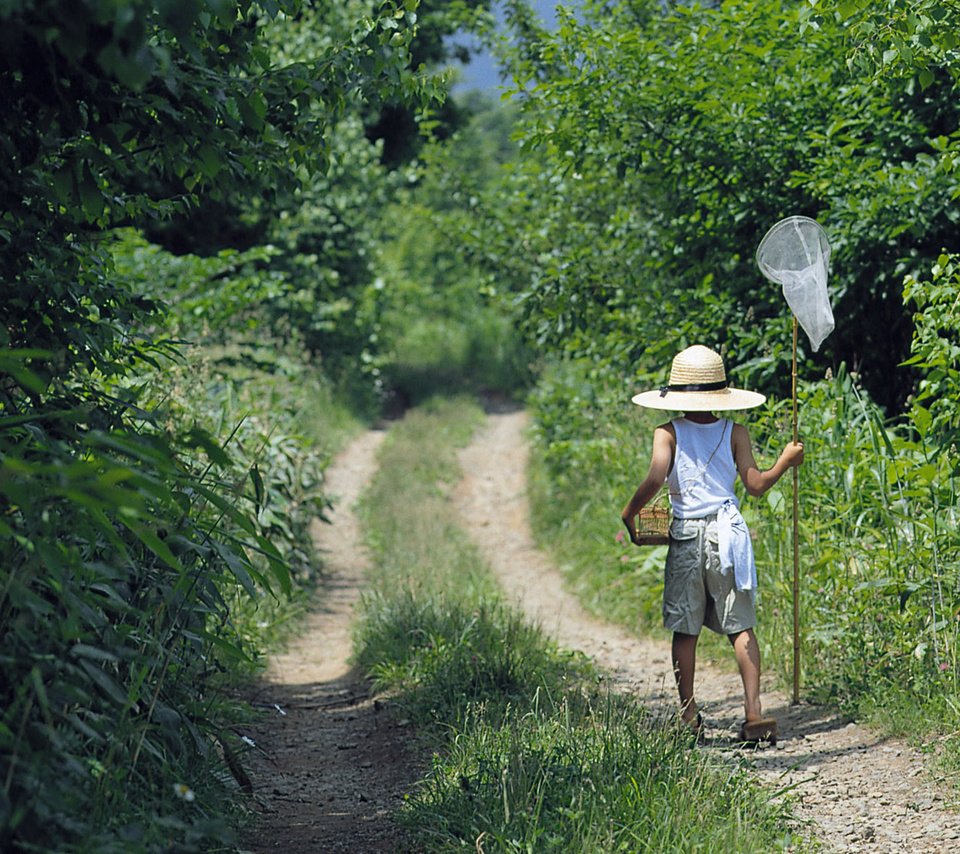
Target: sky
(482, 73)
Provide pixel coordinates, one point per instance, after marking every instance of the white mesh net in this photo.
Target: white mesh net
(795, 253)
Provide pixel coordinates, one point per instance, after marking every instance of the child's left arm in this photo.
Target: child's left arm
(756, 481)
(660, 461)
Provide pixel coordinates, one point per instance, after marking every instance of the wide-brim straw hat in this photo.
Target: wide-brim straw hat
(698, 383)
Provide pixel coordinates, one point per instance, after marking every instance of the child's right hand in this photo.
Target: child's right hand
(793, 454)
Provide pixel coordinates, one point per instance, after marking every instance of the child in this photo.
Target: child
(710, 575)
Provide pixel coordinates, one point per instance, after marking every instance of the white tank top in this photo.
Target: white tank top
(704, 471)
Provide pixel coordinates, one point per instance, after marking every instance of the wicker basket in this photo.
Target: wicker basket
(653, 524)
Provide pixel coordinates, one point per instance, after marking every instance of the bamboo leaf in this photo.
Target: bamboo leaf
(93, 653)
(152, 542)
(110, 687)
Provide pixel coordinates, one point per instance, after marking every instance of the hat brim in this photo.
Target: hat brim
(700, 401)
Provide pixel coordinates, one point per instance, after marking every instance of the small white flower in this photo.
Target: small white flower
(248, 741)
(184, 792)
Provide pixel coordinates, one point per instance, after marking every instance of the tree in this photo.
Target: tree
(396, 123)
(121, 529)
(663, 142)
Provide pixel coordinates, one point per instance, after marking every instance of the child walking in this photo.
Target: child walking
(710, 578)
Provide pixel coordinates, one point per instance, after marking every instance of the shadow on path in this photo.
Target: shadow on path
(329, 769)
(328, 764)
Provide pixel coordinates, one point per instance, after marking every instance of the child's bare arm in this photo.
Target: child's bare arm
(756, 481)
(660, 462)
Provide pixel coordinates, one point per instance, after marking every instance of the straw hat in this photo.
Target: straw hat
(698, 383)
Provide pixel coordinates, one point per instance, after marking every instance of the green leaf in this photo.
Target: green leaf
(63, 181)
(107, 683)
(91, 198)
(152, 542)
(227, 507)
(922, 419)
(197, 437)
(225, 10)
(258, 490)
(238, 567)
(233, 650)
(252, 109)
(210, 161)
(93, 653)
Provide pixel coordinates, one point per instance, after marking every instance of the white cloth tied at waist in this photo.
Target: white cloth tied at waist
(736, 548)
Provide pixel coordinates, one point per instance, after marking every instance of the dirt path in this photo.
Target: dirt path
(329, 767)
(860, 792)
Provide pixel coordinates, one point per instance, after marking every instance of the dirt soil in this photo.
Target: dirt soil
(330, 762)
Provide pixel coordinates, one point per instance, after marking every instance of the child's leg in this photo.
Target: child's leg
(748, 661)
(684, 650)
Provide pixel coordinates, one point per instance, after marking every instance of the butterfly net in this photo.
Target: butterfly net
(794, 253)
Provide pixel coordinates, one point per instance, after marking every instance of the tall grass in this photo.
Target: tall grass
(879, 561)
(528, 754)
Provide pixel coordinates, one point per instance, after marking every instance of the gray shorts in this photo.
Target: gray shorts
(695, 592)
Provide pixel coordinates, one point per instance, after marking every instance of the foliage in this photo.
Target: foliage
(880, 567)
(125, 554)
(444, 327)
(398, 125)
(122, 112)
(324, 231)
(902, 38)
(325, 227)
(660, 144)
(116, 557)
(528, 754)
(935, 350)
(133, 510)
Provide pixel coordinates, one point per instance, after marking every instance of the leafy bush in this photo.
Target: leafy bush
(145, 558)
(115, 564)
(658, 144)
(879, 569)
(936, 412)
(132, 509)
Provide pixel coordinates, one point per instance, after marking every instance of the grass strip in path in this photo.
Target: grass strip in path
(528, 753)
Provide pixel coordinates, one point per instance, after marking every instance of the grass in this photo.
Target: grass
(528, 755)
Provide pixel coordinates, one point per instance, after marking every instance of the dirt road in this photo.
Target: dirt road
(329, 768)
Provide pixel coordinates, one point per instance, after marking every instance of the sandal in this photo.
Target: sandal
(695, 727)
(753, 733)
